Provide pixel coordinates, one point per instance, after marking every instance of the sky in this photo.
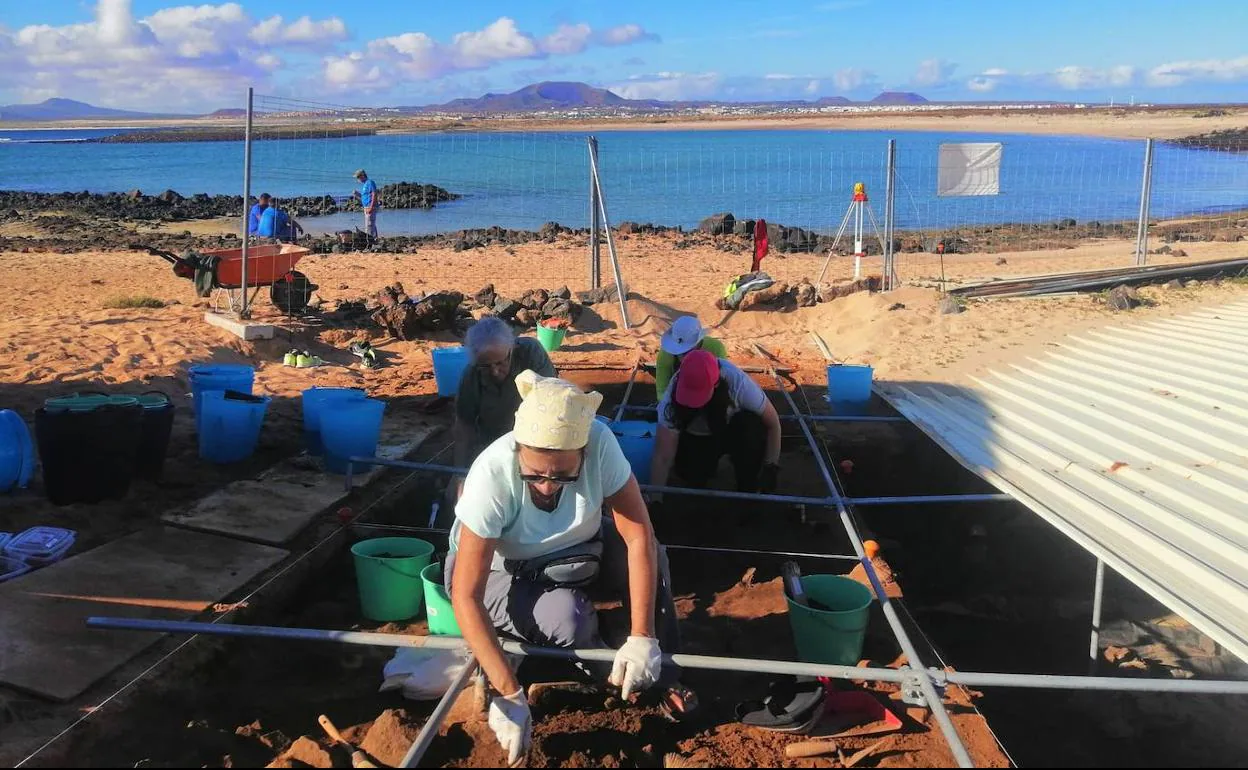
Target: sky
(168, 56)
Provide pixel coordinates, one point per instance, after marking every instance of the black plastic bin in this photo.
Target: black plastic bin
(154, 435)
(88, 455)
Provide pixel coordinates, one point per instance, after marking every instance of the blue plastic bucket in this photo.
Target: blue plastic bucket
(314, 401)
(351, 429)
(229, 428)
(219, 377)
(636, 438)
(12, 450)
(448, 368)
(849, 388)
(25, 444)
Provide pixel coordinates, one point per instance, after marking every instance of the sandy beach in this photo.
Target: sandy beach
(1110, 122)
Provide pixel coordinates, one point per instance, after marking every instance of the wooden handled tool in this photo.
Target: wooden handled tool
(806, 749)
(358, 758)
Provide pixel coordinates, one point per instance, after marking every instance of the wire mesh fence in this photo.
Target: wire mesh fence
(1062, 203)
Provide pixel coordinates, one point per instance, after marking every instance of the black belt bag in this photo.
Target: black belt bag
(573, 567)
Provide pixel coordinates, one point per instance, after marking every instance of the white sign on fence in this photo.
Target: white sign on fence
(970, 168)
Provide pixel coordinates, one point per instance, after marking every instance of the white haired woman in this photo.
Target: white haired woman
(549, 513)
(486, 405)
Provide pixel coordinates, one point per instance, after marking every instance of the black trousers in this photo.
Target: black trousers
(745, 443)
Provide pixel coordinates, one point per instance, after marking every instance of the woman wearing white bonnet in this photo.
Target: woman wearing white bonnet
(550, 514)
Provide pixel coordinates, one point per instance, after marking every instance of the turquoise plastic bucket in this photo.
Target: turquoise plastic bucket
(351, 429)
(219, 377)
(849, 388)
(448, 368)
(833, 636)
(438, 610)
(314, 401)
(637, 440)
(229, 429)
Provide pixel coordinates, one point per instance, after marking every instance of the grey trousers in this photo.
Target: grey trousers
(370, 224)
(565, 617)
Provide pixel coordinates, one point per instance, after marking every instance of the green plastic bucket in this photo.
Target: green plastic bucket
(438, 603)
(834, 636)
(387, 570)
(550, 338)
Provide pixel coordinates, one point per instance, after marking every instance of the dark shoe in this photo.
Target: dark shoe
(793, 705)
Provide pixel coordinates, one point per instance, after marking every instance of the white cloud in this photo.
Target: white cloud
(190, 56)
(499, 41)
(852, 79)
(671, 86)
(415, 56)
(303, 31)
(779, 76)
(982, 84)
(568, 39)
(933, 73)
(1074, 78)
(1209, 70)
(625, 34)
(1067, 78)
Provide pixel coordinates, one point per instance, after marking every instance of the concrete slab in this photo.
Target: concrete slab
(285, 499)
(244, 330)
(164, 573)
(268, 511)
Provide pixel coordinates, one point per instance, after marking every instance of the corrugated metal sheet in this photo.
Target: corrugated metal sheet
(1133, 441)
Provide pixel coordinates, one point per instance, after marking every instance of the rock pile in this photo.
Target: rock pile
(409, 316)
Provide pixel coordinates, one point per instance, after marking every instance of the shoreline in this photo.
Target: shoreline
(1167, 123)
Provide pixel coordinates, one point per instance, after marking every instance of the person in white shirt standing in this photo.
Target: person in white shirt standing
(550, 512)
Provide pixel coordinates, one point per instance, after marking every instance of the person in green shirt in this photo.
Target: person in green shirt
(485, 407)
(685, 334)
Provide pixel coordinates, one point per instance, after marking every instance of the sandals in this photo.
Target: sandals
(678, 703)
(364, 351)
(793, 705)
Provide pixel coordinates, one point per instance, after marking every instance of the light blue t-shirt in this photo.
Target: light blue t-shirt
(496, 503)
(367, 190)
(253, 218)
(274, 223)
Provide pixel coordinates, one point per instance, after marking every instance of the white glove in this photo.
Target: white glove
(637, 665)
(512, 725)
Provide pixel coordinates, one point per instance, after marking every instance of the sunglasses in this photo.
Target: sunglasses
(537, 478)
(562, 481)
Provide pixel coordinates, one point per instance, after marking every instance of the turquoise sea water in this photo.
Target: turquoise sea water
(802, 178)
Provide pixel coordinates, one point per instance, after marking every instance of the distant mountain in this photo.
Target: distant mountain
(540, 96)
(564, 96)
(899, 97)
(68, 109)
(228, 112)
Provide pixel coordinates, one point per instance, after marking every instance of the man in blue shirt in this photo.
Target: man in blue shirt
(257, 211)
(275, 223)
(370, 199)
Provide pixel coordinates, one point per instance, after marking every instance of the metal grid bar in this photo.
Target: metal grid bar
(925, 683)
(705, 662)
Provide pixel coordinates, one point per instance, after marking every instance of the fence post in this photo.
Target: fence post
(251, 97)
(595, 252)
(1146, 193)
(890, 193)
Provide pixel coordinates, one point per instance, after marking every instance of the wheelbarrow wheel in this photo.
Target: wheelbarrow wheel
(291, 292)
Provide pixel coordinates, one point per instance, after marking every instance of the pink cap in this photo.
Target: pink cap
(696, 379)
